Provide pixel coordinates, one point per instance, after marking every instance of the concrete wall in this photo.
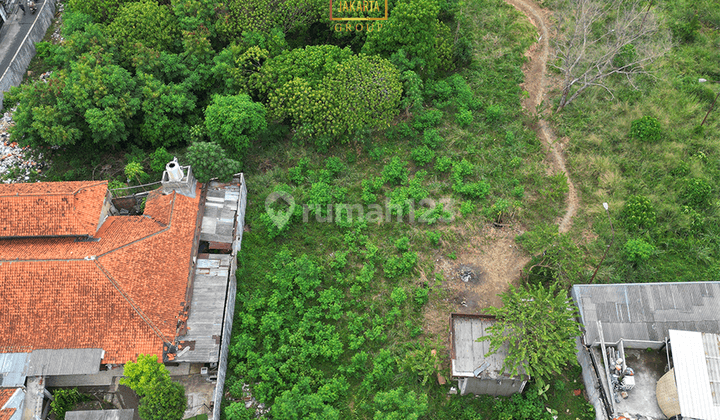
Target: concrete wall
(230, 303)
(14, 74)
(590, 380)
(497, 387)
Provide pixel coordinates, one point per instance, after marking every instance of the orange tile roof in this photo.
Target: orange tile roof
(51, 208)
(5, 394)
(124, 293)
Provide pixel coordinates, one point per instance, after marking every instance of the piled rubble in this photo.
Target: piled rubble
(16, 163)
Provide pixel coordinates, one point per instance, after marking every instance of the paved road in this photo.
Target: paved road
(13, 32)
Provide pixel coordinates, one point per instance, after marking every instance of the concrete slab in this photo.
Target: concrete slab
(649, 366)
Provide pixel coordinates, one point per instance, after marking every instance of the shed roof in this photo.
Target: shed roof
(696, 361)
(468, 354)
(100, 415)
(123, 292)
(647, 311)
(51, 208)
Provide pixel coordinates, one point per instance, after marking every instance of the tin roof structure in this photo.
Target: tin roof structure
(647, 311)
(696, 360)
(468, 354)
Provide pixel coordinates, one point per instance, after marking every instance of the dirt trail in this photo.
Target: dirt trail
(535, 85)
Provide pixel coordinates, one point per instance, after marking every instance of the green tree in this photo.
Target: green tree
(100, 10)
(413, 33)
(165, 400)
(539, 326)
(208, 160)
(161, 398)
(234, 120)
(141, 376)
(238, 16)
(326, 91)
(146, 23)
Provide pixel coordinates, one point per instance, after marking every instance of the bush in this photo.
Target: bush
(638, 213)
(395, 172)
(467, 207)
(443, 164)
(495, 114)
(421, 295)
(422, 155)
(428, 119)
(464, 117)
(65, 400)
(637, 250)
(646, 129)
(432, 139)
(398, 296)
(697, 192)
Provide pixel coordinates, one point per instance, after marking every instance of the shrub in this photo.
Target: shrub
(334, 165)
(697, 192)
(434, 238)
(495, 114)
(443, 164)
(403, 244)
(428, 119)
(421, 295)
(464, 117)
(431, 138)
(467, 207)
(638, 213)
(65, 400)
(422, 155)
(637, 250)
(398, 296)
(646, 129)
(395, 172)
(297, 173)
(395, 266)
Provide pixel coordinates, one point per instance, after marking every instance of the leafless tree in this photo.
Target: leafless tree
(599, 38)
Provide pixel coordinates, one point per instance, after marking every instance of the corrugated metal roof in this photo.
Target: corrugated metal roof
(469, 354)
(64, 362)
(100, 415)
(647, 311)
(12, 369)
(694, 373)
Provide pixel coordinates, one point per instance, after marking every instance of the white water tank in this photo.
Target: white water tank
(174, 171)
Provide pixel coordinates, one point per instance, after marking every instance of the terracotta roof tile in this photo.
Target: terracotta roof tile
(7, 413)
(122, 293)
(51, 208)
(5, 394)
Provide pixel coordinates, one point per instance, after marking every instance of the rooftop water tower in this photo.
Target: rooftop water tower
(178, 178)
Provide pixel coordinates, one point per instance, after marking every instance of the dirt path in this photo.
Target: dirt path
(535, 84)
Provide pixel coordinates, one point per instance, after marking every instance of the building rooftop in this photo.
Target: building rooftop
(696, 361)
(51, 208)
(647, 311)
(100, 415)
(468, 354)
(124, 290)
(8, 407)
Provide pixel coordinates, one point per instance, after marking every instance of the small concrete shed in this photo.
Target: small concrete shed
(476, 373)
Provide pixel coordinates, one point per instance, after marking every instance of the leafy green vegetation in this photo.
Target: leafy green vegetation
(397, 147)
(160, 397)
